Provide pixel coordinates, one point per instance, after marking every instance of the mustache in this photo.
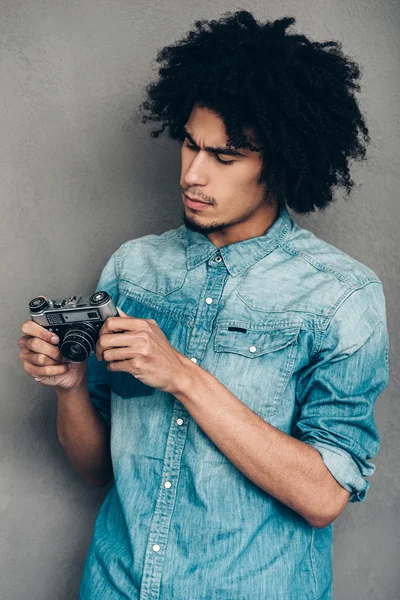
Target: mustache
(193, 197)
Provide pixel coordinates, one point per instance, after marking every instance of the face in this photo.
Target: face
(238, 206)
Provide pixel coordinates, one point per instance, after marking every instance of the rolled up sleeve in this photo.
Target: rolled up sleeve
(338, 390)
(98, 376)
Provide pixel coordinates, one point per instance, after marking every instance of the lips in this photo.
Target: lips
(197, 205)
(196, 199)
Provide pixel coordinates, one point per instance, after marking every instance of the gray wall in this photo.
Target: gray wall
(76, 183)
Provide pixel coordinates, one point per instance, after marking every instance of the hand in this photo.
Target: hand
(139, 347)
(42, 359)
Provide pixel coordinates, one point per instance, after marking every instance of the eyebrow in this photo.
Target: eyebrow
(215, 149)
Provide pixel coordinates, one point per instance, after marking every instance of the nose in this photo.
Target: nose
(196, 174)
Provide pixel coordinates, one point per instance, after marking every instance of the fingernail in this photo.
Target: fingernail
(55, 339)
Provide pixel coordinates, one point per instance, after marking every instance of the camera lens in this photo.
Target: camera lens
(99, 298)
(38, 304)
(75, 349)
(79, 342)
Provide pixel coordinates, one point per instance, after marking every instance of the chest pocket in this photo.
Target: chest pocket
(255, 364)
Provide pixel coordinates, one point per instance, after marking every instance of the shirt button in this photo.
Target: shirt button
(156, 548)
(208, 300)
(167, 484)
(218, 259)
(179, 421)
(252, 348)
(194, 360)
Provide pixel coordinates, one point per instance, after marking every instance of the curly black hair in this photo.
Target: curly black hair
(297, 95)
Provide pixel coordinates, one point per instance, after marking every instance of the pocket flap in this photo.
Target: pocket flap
(251, 342)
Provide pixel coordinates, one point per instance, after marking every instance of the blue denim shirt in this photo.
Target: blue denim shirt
(296, 329)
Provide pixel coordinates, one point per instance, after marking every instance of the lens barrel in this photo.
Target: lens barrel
(79, 342)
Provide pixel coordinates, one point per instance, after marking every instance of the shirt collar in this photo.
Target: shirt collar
(238, 256)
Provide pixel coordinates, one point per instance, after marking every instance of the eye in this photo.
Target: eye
(223, 162)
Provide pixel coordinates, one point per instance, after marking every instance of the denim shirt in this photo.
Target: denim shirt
(296, 329)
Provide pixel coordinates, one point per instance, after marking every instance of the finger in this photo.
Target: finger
(119, 365)
(37, 359)
(22, 340)
(122, 324)
(117, 340)
(41, 347)
(119, 354)
(47, 371)
(33, 329)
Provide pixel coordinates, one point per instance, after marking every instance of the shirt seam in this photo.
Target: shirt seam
(175, 314)
(313, 565)
(288, 247)
(340, 301)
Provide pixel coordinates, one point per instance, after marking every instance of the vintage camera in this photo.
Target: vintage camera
(76, 320)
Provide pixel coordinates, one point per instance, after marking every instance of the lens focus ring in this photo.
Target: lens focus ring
(82, 337)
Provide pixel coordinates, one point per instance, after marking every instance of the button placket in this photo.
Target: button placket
(158, 535)
(206, 314)
(160, 524)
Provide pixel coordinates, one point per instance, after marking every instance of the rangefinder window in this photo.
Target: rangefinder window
(80, 315)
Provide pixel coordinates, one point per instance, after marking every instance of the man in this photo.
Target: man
(232, 400)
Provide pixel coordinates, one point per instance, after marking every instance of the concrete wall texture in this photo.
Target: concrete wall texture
(76, 183)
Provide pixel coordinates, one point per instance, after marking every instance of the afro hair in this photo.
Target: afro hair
(297, 96)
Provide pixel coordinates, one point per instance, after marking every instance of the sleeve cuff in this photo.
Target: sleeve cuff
(344, 470)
